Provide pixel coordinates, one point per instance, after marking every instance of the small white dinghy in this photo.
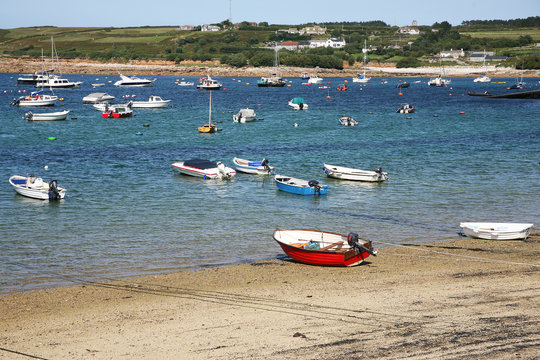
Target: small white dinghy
(496, 231)
(253, 167)
(245, 115)
(53, 116)
(345, 173)
(34, 187)
(152, 103)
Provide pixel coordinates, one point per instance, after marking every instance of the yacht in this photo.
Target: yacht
(132, 81)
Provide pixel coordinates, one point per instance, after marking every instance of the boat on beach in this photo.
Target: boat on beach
(323, 248)
(299, 186)
(345, 173)
(52, 116)
(36, 188)
(496, 231)
(253, 167)
(204, 168)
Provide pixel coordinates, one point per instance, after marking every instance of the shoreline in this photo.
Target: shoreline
(464, 298)
(164, 68)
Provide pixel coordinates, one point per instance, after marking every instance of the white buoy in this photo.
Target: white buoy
(46, 167)
(295, 125)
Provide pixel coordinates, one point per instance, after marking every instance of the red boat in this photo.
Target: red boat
(117, 111)
(323, 248)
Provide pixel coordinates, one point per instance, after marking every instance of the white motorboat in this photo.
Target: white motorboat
(347, 121)
(438, 81)
(314, 79)
(207, 83)
(298, 103)
(33, 79)
(58, 83)
(53, 116)
(104, 106)
(245, 115)
(204, 168)
(153, 102)
(35, 99)
(116, 111)
(185, 83)
(405, 109)
(132, 81)
(98, 97)
(36, 188)
(496, 231)
(253, 167)
(345, 173)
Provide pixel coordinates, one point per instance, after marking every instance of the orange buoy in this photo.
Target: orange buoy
(400, 93)
(328, 97)
(462, 112)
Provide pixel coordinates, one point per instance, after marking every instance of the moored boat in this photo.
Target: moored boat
(405, 109)
(347, 121)
(98, 97)
(209, 128)
(207, 83)
(117, 111)
(298, 103)
(58, 83)
(299, 186)
(496, 231)
(36, 98)
(245, 115)
(153, 102)
(36, 188)
(253, 167)
(53, 116)
(272, 80)
(314, 79)
(132, 81)
(204, 168)
(323, 248)
(345, 173)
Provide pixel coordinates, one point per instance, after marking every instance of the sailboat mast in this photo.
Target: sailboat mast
(210, 110)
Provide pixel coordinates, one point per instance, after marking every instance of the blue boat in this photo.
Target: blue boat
(299, 186)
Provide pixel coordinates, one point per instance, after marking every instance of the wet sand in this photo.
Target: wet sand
(457, 299)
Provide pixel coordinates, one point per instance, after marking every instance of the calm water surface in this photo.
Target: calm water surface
(128, 213)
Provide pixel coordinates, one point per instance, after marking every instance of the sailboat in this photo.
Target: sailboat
(56, 81)
(484, 78)
(363, 78)
(209, 128)
(439, 80)
(274, 79)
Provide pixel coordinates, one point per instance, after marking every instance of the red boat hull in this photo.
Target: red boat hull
(350, 257)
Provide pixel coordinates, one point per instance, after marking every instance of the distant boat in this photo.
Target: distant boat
(36, 188)
(153, 102)
(272, 80)
(207, 83)
(53, 116)
(323, 248)
(484, 78)
(345, 173)
(304, 76)
(485, 93)
(299, 186)
(132, 81)
(55, 81)
(403, 85)
(298, 103)
(314, 79)
(496, 231)
(405, 109)
(204, 168)
(347, 121)
(253, 167)
(117, 111)
(185, 83)
(245, 115)
(363, 78)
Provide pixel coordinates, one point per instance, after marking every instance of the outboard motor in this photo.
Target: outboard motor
(315, 185)
(129, 104)
(378, 170)
(54, 194)
(28, 116)
(301, 106)
(15, 101)
(264, 164)
(352, 240)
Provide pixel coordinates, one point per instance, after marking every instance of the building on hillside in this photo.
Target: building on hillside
(313, 30)
(186, 28)
(409, 30)
(452, 53)
(477, 56)
(303, 44)
(207, 27)
(496, 58)
(414, 23)
(332, 42)
(290, 45)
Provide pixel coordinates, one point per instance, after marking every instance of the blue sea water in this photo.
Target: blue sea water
(128, 213)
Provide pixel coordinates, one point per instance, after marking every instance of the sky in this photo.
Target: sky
(122, 13)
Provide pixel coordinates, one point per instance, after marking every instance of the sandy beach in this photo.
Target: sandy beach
(457, 299)
(167, 68)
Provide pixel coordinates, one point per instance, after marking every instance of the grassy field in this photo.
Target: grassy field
(509, 34)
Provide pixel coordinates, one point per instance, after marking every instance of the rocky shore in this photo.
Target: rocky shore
(155, 68)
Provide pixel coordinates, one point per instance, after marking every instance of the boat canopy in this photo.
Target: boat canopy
(298, 100)
(200, 164)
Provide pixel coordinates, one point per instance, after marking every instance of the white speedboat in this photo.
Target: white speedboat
(33, 79)
(482, 79)
(207, 83)
(153, 102)
(35, 99)
(496, 231)
(204, 168)
(345, 173)
(36, 188)
(298, 103)
(245, 115)
(347, 121)
(438, 81)
(185, 83)
(58, 83)
(405, 109)
(315, 79)
(132, 81)
(53, 116)
(253, 167)
(98, 97)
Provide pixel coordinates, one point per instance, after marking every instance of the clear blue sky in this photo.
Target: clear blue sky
(122, 13)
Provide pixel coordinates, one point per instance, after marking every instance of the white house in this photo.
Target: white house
(186, 27)
(452, 53)
(333, 43)
(313, 30)
(409, 30)
(206, 27)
